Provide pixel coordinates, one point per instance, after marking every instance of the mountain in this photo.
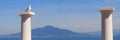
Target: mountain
(116, 33)
(51, 31)
(98, 33)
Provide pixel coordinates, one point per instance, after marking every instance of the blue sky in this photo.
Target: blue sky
(74, 15)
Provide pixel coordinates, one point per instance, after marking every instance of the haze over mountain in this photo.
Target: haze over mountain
(51, 31)
(55, 32)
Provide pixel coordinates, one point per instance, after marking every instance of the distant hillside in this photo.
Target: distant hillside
(55, 32)
(51, 31)
(116, 33)
(98, 33)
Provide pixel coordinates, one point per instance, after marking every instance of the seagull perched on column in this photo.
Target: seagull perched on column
(28, 9)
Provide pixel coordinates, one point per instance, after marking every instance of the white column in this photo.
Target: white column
(26, 24)
(107, 30)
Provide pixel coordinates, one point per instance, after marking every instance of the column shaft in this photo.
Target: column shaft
(107, 33)
(26, 28)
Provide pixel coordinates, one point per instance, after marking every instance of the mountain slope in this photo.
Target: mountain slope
(51, 31)
(55, 32)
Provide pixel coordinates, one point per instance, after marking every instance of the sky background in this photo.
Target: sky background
(74, 15)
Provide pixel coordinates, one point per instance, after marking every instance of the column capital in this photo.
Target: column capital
(26, 13)
(106, 10)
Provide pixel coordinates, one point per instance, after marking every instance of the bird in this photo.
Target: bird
(28, 9)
